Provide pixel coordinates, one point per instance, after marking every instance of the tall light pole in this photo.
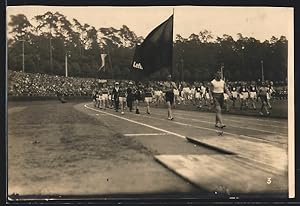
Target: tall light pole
(23, 56)
(51, 58)
(262, 71)
(222, 71)
(182, 65)
(66, 63)
(243, 58)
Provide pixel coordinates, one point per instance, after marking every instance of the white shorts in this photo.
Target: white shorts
(122, 99)
(148, 99)
(244, 95)
(225, 96)
(197, 95)
(234, 94)
(157, 96)
(185, 90)
(268, 96)
(253, 95)
(207, 96)
(156, 93)
(105, 97)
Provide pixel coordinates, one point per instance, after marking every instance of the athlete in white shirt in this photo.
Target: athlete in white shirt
(217, 89)
(186, 92)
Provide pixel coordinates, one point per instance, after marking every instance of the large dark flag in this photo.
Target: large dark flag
(155, 53)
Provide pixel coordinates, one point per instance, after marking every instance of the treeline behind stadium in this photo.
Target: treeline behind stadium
(47, 38)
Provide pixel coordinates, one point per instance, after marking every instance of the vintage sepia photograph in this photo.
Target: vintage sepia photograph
(152, 101)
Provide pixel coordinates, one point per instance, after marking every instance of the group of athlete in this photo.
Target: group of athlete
(122, 96)
(247, 94)
(128, 95)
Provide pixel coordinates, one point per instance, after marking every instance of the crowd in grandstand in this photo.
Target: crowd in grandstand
(196, 93)
(29, 84)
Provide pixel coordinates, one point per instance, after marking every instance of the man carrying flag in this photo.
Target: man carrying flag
(155, 54)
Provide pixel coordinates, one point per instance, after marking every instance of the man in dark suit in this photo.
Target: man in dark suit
(130, 96)
(115, 95)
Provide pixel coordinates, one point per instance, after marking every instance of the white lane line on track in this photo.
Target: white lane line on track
(139, 123)
(100, 114)
(247, 118)
(256, 119)
(260, 130)
(179, 123)
(209, 129)
(241, 119)
(145, 134)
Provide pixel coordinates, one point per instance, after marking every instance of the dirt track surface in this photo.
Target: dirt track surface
(77, 149)
(56, 149)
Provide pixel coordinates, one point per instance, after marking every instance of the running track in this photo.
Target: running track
(193, 124)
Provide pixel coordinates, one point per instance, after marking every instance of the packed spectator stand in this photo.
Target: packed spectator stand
(36, 84)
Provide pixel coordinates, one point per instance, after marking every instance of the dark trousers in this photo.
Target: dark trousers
(116, 101)
(129, 104)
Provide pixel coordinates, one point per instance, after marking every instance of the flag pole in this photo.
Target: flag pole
(172, 65)
(110, 62)
(66, 64)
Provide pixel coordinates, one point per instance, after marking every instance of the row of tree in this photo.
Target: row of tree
(48, 38)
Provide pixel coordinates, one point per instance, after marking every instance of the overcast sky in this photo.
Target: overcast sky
(259, 22)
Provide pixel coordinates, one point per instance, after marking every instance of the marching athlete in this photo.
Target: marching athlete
(104, 102)
(217, 89)
(244, 95)
(180, 97)
(100, 97)
(169, 91)
(176, 96)
(94, 96)
(122, 97)
(234, 94)
(148, 96)
(198, 96)
(157, 95)
(208, 98)
(253, 94)
(263, 92)
(186, 93)
(271, 91)
(138, 97)
(193, 94)
(110, 97)
(203, 95)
